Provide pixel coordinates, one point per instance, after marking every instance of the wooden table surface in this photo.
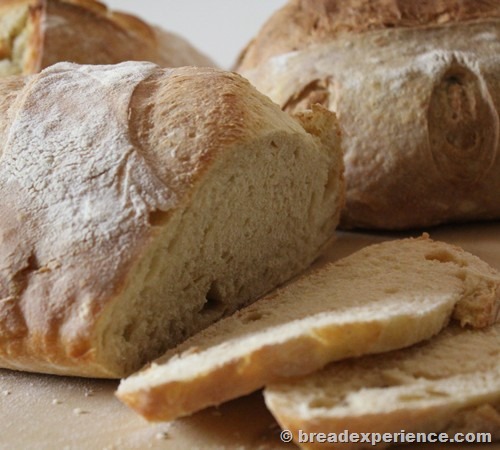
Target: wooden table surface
(43, 412)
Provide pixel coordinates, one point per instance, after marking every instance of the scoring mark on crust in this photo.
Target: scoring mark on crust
(463, 125)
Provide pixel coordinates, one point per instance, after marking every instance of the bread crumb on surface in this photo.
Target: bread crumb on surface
(79, 411)
(161, 435)
(56, 401)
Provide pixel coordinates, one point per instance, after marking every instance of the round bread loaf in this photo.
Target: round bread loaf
(417, 91)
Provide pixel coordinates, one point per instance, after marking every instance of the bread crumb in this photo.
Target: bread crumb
(79, 411)
(162, 435)
(56, 401)
(89, 393)
(6, 392)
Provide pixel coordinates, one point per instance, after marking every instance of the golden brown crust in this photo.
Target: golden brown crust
(302, 23)
(222, 117)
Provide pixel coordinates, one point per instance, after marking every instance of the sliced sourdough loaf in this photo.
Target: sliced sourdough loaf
(38, 33)
(139, 205)
(450, 384)
(384, 297)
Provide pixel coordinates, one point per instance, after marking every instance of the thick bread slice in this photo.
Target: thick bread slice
(139, 205)
(38, 33)
(450, 384)
(384, 297)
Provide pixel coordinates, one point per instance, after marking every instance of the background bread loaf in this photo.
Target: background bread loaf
(140, 205)
(37, 33)
(416, 89)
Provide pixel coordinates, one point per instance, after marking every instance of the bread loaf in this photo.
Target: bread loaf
(450, 384)
(416, 89)
(384, 297)
(139, 205)
(35, 34)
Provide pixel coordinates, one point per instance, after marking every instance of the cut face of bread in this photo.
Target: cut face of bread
(450, 384)
(35, 34)
(384, 297)
(145, 204)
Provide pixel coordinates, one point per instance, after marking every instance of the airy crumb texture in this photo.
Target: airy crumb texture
(38, 33)
(384, 297)
(450, 384)
(140, 205)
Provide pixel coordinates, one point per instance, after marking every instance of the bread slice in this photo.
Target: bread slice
(139, 205)
(384, 297)
(450, 384)
(38, 33)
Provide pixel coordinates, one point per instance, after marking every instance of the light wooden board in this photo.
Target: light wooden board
(42, 412)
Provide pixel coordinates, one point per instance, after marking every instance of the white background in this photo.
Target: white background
(219, 28)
